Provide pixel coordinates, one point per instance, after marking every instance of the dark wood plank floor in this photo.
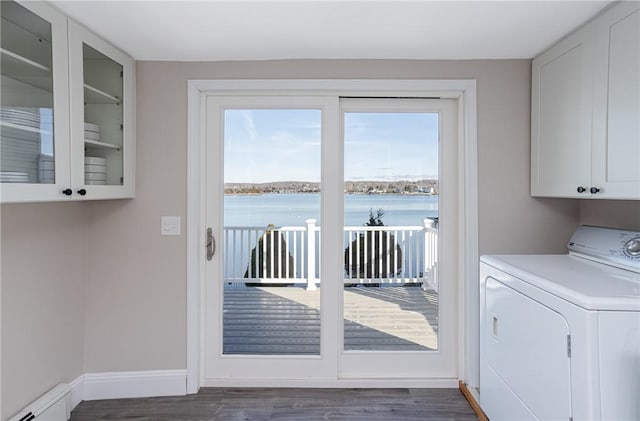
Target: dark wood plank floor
(298, 404)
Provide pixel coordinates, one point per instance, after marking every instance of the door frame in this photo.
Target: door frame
(468, 271)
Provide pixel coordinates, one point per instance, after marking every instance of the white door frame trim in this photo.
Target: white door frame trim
(468, 294)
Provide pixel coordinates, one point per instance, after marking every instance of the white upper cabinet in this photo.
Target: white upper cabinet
(34, 104)
(585, 137)
(561, 96)
(616, 106)
(67, 110)
(102, 126)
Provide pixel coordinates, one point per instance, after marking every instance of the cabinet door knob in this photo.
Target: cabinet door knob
(594, 190)
(581, 189)
(67, 192)
(82, 192)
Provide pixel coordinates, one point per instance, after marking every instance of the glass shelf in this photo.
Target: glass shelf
(96, 96)
(8, 126)
(100, 145)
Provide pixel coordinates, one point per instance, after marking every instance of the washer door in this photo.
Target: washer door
(526, 355)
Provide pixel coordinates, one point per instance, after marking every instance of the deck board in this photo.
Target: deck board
(286, 320)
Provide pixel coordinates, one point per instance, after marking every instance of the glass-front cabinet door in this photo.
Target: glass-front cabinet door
(34, 105)
(101, 79)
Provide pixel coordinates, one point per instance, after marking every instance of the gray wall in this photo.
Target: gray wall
(44, 267)
(623, 214)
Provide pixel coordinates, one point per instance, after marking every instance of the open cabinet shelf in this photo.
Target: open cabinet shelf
(96, 96)
(100, 145)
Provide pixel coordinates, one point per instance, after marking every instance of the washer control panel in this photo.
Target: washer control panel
(615, 247)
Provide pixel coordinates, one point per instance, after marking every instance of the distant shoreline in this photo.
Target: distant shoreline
(350, 193)
(428, 187)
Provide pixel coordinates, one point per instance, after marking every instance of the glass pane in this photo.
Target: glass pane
(271, 239)
(103, 116)
(391, 231)
(26, 107)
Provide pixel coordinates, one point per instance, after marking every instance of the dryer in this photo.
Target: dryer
(560, 334)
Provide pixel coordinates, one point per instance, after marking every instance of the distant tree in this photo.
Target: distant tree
(275, 246)
(379, 257)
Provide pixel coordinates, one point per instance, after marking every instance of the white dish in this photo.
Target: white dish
(13, 177)
(94, 168)
(91, 135)
(95, 176)
(94, 160)
(26, 117)
(95, 183)
(91, 127)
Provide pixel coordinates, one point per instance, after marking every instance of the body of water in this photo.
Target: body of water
(294, 209)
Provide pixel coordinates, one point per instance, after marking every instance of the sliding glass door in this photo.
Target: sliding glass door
(397, 310)
(331, 220)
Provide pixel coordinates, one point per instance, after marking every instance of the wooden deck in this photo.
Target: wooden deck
(286, 320)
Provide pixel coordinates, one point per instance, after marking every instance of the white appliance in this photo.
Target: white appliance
(560, 334)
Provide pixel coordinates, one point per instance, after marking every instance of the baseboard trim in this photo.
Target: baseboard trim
(134, 384)
(76, 395)
(472, 402)
(332, 383)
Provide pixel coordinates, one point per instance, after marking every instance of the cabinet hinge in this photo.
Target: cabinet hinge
(121, 73)
(121, 127)
(569, 346)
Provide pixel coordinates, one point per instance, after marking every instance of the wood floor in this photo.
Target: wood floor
(286, 404)
(286, 320)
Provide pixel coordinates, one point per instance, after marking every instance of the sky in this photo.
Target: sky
(284, 145)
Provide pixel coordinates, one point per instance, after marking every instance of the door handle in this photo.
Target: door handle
(211, 244)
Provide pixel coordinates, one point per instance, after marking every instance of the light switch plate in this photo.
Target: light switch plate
(170, 225)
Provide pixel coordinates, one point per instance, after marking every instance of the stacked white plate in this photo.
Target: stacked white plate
(91, 131)
(95, 170)
(13, 177)
(29, 117)
(20, 141)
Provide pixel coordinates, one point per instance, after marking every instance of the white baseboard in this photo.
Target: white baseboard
(77, 392)
(132, 384)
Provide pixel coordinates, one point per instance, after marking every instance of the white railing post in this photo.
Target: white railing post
(428, 264)
(311, 254)
(430, 255)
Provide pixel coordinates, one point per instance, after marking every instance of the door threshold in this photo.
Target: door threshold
(334, 383)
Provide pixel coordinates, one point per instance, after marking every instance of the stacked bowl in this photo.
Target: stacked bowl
(95, 170)
(91, 131)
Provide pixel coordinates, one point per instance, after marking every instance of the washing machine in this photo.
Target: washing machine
(560, 334)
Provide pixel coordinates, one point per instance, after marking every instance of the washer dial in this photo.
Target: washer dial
(632, 247)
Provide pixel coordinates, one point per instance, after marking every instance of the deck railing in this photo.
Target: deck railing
(291, 255)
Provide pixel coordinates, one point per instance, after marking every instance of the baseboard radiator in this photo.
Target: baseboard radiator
(52, 406)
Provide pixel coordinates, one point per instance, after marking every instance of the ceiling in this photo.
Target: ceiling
(262, 30)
